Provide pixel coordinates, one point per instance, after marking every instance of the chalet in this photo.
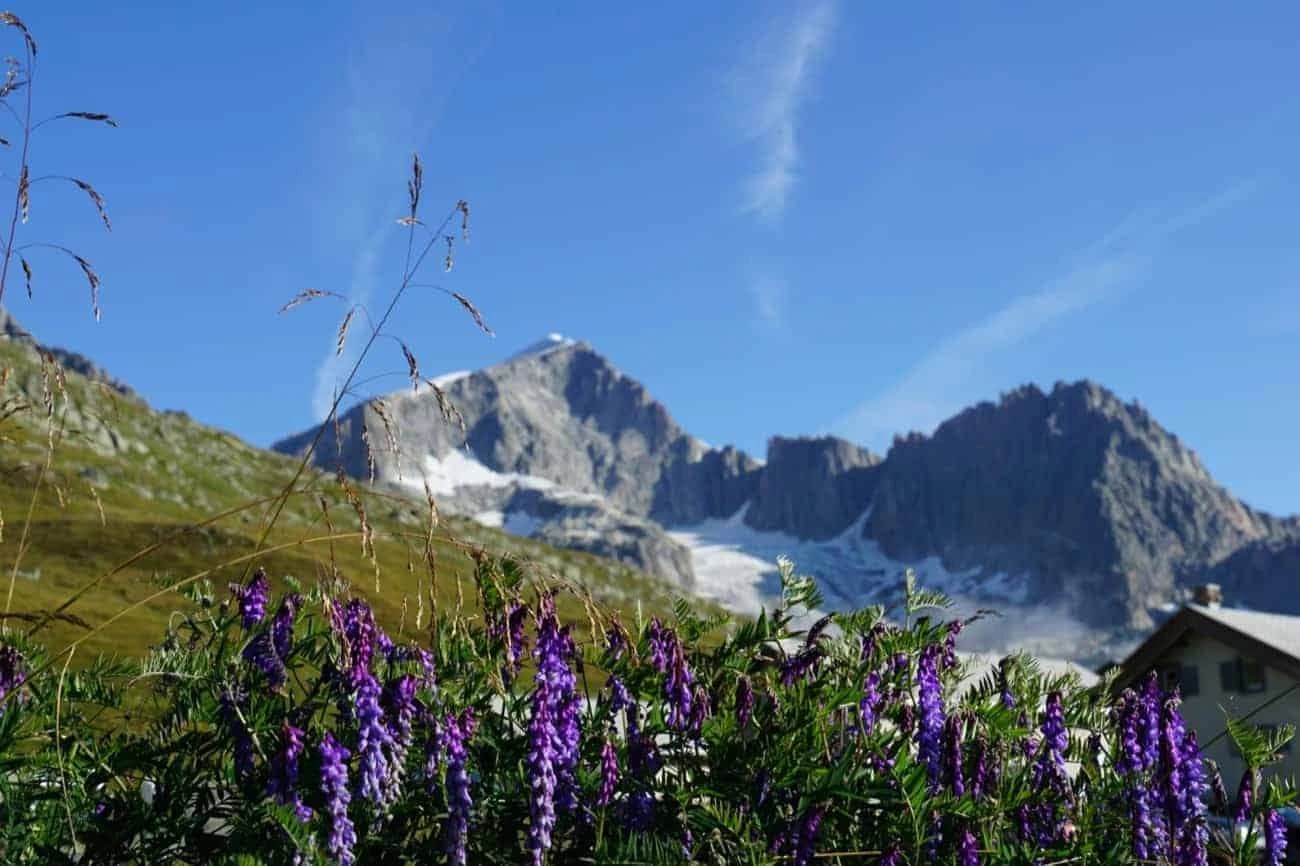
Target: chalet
(1226, 662)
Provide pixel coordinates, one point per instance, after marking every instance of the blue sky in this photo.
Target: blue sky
(785, 218)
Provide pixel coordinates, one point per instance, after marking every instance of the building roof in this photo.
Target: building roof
(1273, 638)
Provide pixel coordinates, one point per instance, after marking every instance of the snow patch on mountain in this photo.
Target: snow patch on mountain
(544, 346)
(736, 565)
(446, 379)
(459, 469)
(514, 522)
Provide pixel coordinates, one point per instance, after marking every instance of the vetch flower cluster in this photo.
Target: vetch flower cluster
(282, 785)
(12, 674)
(929, 731)
(252, 598)
(334, 788)
(456, 733)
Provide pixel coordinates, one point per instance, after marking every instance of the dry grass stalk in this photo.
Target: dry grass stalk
(370, 453)
(343, 331)
(445, 406)
(412, 366)
(415, 184)
(88, 115)
(367, 531)
(99, 506)
(473, 311)
(9, 19)
(96, 199)
(390, 431)
(24, 194)
(462, 207)
(329, 526)
(308, 295)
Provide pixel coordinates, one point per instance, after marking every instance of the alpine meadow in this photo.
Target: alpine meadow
(518, 615)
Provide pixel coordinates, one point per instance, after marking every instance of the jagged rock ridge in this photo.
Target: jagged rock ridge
(1080, 497)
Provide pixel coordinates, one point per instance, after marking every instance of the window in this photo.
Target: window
(1243, 675)
(1184, 678)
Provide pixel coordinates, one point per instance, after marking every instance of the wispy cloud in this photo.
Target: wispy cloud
(403, 68)
(771, 86)
(938, 385)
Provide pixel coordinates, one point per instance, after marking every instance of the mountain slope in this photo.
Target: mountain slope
(1069, 501)
(555, 434)
(125, 476)
(1086, 494)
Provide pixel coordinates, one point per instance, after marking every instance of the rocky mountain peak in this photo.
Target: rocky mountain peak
(1084, 491)
(10, 329)
(812, 487)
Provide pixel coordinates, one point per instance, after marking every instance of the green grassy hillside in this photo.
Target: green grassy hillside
(124, 507)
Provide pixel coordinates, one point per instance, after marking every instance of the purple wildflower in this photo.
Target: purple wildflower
(869, 704)
(642, 756)
(516, 637)
(809, 828)
(1246, 797)
(968, 849)
(252, 598)
(1004, 684)
(639, 811)
(1274, 838)
(354, 623)
(798, 666)
(893, 855)
(12, 675)
(929, 733)
(660, 641)
(608, 774)
(1195, 834)
(1050, 767)
(870, 639)
(981, 777)
(1149, 722)
(374, 744)
(669, 658)
(385, 645)
(906, 720)
(260, 653)
(950, 644)
(817, 631)
(428, 674)
(619, 698)
(456, 735)
(398, 704)
(282, 625)
(334, 787)
(688, 843)
(552, 730)
(282, 785)
(1142, 826)
(744, 702)
(952, 757)
(615, 642)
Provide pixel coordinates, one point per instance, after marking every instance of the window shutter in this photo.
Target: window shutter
(1189, 679)
(1230, 676)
